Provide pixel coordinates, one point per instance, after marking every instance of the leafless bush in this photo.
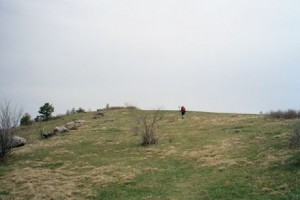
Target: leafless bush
(294, 139)
(147, 123)
(279, 114)
(130, 106)
(9, 119)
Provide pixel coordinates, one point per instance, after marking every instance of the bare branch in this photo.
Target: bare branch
(9, 119)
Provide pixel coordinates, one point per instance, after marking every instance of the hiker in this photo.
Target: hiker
(182, 110)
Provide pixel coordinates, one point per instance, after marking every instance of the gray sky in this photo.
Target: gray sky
(209, 55)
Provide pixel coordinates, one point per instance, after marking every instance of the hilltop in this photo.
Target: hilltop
(204, 156)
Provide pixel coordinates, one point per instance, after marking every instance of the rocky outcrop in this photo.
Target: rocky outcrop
(62, 129)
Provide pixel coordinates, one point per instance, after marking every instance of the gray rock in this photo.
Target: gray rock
(60, 129)
(47, 135)
(17, 141)
(71, 126)
(75, 124)
(80, 122)
(237, 130)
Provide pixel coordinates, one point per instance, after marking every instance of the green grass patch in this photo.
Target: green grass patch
(3, 193)
(52, 165)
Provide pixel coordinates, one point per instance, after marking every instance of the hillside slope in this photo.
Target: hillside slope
(204, 156)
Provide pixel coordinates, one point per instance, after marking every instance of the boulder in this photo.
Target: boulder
(47, 135)
(75, 124)
(80, 122)
(71, 126)
(17, 141)
(60, 129)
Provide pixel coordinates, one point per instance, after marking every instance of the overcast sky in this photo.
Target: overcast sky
(209, 55)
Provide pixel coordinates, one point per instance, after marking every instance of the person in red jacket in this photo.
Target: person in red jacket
(182, 110)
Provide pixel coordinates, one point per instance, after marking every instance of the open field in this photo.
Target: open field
(204, 156)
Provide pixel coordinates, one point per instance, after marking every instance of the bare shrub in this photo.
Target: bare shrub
(130, 106)
(68, 113)
(147, 123)
(9, 119)
(290, 114)
(279, 114)
(294, 139)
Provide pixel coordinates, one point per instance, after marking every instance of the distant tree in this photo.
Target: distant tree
(73, 111)
(68, 112)
(9, 119)
(46, 110)
(80, 110)
(26, 120)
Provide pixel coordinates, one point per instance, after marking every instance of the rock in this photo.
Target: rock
(266, 190)
(17, 141)
(71, 126)
(74, 125)
(237, 130)
(81, 122)
(284, 187)
(221, 169)
(47, 135)
(60, 129)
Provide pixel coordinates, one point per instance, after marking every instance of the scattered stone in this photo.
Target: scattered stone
(220, 169)
(100, 114)
(237, 130)
(266, 190)
(284, 187)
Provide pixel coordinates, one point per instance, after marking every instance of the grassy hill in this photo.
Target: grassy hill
(204, 156)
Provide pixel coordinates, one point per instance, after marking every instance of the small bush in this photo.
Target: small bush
(26, 120)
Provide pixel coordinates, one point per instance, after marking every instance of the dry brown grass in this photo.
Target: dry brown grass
(214, 155)
(66, 182)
